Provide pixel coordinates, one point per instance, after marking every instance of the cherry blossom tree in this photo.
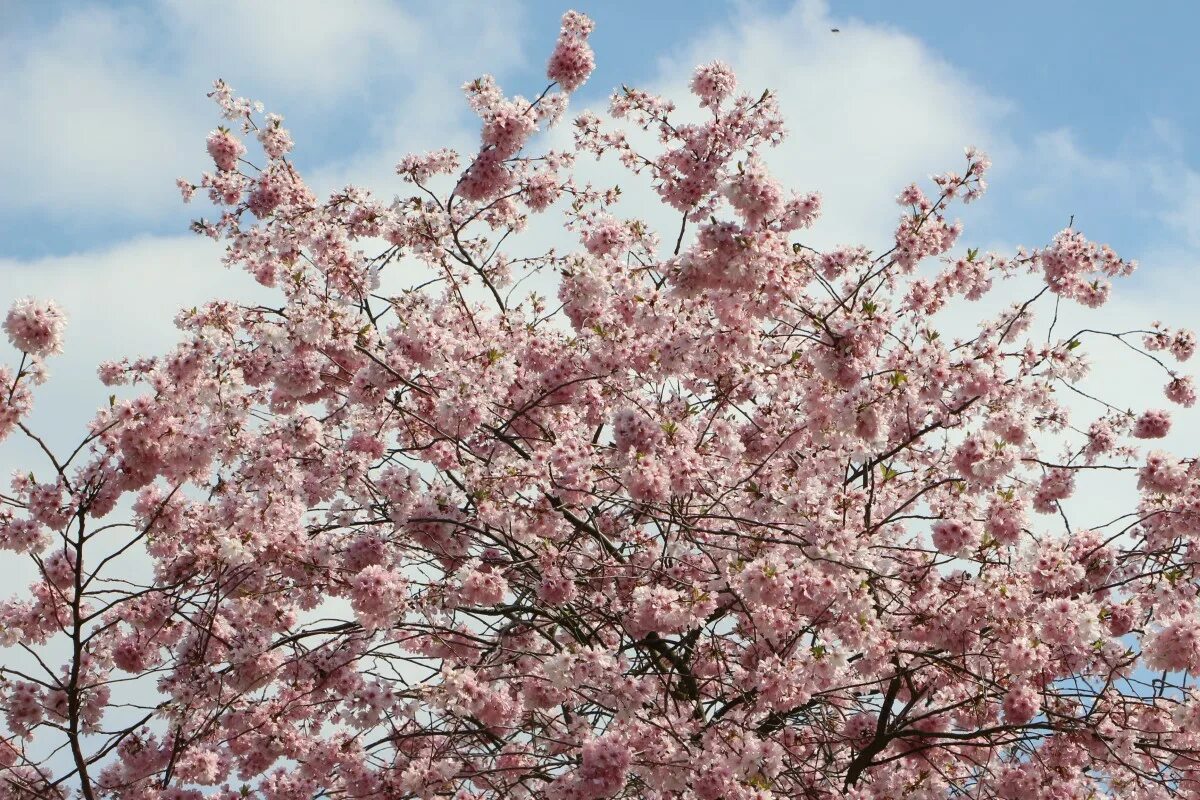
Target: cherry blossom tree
(730, 518)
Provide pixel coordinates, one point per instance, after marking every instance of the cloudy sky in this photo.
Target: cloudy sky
(1085, 108)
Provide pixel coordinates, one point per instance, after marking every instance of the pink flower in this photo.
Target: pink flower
(1056, 484)
(267, 195)
(35, 326)
(800, 212)
(541, 190)
(507, 128)
(1176, 647)
(482, 587)
(275, 139)
(1162, 473)
(225, 149)
(1182, 391)
(421, 168)
(602, 773)
(1183, 345)
(572, 61)
(1021, 704)
(22, 535)
(1153, 424)
(1072, 262)
(911, 196)
(186, 189)
(634, 430)
(377, 596)
(486, 178)
(754, 193)
(713, 82)
(683, 531)
(556, 589)
(1005, 520)
(954, 536)
(658, 609)
(860, 729)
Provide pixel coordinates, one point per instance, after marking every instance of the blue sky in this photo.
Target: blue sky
(1116, 76)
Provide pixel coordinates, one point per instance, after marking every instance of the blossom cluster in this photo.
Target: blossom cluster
(726, 518)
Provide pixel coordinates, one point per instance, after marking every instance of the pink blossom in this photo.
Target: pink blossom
(541, 190)
(1153, 424)
(1183, 346)
(754, 193)
(35, 326)
(275, 139)
(1057, 484)
(800, 212)
(953, 536)
(225, 149)
(186, 189)
(572, 61)
(377, 596)
(720, 514)
(1175, 648)
(22, 535)
(482, 587)
(486, 178)
(1071, 262)
(1163, 474)
(602, 773)
(713, 82)
(1182, 391)
(1021, 704)
(860, 729)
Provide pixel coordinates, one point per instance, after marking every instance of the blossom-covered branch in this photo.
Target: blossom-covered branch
(733, 520)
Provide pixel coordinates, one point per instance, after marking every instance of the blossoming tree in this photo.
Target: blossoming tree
(729, 520)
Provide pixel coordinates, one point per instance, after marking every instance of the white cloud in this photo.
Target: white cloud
(120, 302)
(105, 108)
(310, 47)
(1174, 180)
(87, 128)
(868, 110)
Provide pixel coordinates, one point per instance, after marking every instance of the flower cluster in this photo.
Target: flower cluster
(35, 326)
(727, 516)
